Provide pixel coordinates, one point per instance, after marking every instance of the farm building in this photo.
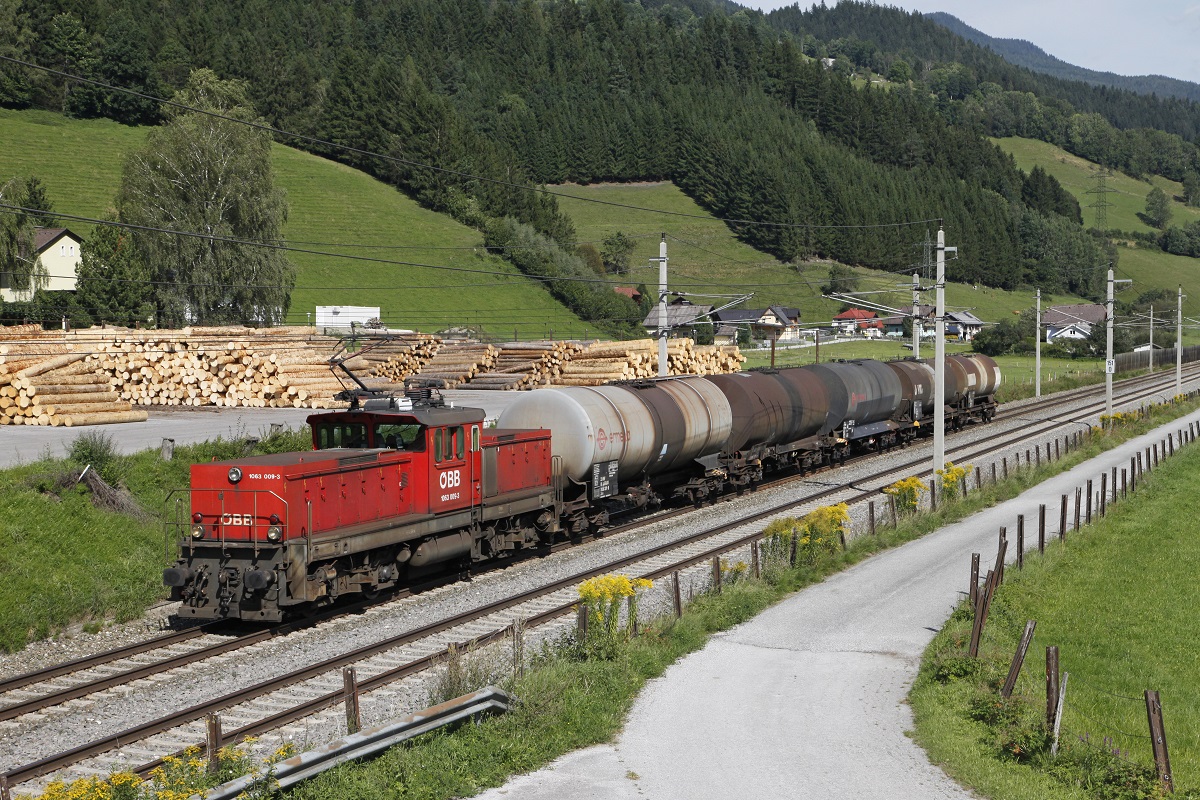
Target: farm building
(58, 251)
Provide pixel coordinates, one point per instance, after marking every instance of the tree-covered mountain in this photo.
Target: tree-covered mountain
(500, 96)
(1026, 54)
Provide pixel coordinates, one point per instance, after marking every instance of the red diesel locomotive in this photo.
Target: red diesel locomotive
(389, 489)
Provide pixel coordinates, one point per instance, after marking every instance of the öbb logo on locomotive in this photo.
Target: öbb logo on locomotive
(432, 488)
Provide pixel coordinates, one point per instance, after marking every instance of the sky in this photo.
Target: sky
(1128, 37)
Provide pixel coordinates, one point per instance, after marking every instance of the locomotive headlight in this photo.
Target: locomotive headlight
(197, 531)
(275, 533)
(235, 474)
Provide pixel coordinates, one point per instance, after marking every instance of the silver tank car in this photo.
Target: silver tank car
(651, 427)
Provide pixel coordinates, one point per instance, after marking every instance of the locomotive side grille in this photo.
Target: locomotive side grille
(365, 458)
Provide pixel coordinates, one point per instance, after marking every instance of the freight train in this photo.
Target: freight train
(396, 488)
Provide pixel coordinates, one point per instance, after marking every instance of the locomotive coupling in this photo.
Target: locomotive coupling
(177, 577)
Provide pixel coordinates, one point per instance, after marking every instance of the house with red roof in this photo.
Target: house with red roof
(860, 321)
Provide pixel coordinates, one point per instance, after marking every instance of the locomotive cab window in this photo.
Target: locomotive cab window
(345, 434)
(449, 444)
(475, 439)
(408, 436)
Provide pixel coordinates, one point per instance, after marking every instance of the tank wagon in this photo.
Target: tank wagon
(395, 488)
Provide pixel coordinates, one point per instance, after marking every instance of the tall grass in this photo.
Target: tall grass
(63, 561)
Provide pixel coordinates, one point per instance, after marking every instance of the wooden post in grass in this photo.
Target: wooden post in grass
(1078, 497)
(892, 503)
(716, 574)
(1001, 545)
(792, 553)
(754, 568)
(1158, 741)
(1018, 659)
(1124, 484)
(1051, 684)
(1057, 452)
(1042, 528)
(993, 473)
(213, 743)
(978, 479)
(1089, 502)
(871, 516)
(1133, 472)
(1037, 454)
(933, 498)
(1004, 463)
(1028, 458)
(963, 485)
(1062, 522)
(350, 698)
(631, 614)
(973, 593)
(1171, 443)
(1114, 484)
(980, 614)
(676, 597)
(1156, 454)
(581, 622)
(1103, 494)
(1020, 541)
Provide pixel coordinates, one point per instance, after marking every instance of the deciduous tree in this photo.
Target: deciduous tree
(205, 175)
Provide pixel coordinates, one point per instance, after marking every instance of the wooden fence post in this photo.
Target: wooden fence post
(716, 573)
(1018, 659)
(1020, 541)
(1062, 522)
(1103, 494)
(1158, 741)
(1057, 452)
(1042, 528)
(963, 485)
(676, 597)
(973, 592)
(892, 503)
(1089, 502)
(754, 568)
(1133, 472)
(1028, 458)
(631, 614)
(213, 743)
(1001, 545)
(581, 622)
(933, 494)
(1124, 484)
(1004, 463)
(871, 516)
(792, 552)
(1078, 496)
(980, 614)
(1051, 684)
(993, 473)
(1037, 452)
(978, 479)
(350, 696)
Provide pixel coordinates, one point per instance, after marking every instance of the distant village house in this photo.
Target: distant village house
(775, 322)
(58, 249)
(1072, 321)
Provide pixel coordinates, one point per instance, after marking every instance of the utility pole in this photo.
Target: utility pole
(662, 307)
(916, 318)
(1110, 366)
(1179, 343)
(1152, 338)
(1037, 347)
(939, 353)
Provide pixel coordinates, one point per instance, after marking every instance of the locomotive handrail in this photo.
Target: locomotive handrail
(178, 523)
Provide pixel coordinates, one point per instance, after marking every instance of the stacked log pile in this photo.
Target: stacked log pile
(401, 357)
(455, 364)
(523, 365)
(604, 362)
(274, 368)
(37, 388)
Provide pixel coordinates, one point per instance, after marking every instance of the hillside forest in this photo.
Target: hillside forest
(470, 105)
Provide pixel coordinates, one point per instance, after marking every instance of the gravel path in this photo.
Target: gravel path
(807, 699)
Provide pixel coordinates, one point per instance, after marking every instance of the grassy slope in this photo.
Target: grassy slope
(80, 163)
(706, 258)
(1147, 267)
(1118, 634)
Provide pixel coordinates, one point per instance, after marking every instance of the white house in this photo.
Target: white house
(58, 250)
(1073, 321)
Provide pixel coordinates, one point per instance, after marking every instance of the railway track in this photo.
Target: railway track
(269, 705)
